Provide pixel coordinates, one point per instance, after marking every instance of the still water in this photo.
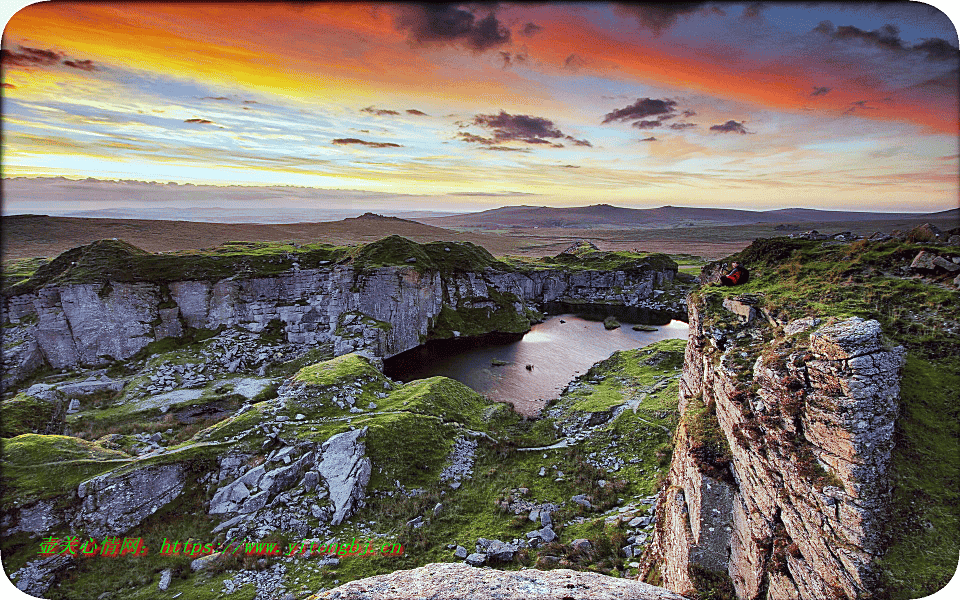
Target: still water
(558, 351)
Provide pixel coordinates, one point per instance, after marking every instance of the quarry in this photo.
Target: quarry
(800, 443)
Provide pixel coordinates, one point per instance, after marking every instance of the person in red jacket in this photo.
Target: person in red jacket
(737, 276)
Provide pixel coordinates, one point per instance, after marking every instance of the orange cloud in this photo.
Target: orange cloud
(784, 87)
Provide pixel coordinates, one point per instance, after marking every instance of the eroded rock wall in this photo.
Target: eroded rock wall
(95, 323)
(795, 511)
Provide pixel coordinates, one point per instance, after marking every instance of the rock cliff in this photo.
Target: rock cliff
(795, 432)
(66, 316)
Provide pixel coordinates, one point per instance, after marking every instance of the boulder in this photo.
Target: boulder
(501, 551)
(547, 534)
(924, 233)
(114, 503)
(476, 559)
(345, 471)
(740, 308)
(581, 545)
(582, 500)
(946, 265)
(924, 261)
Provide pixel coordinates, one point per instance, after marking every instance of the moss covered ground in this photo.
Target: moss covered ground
(792, 278)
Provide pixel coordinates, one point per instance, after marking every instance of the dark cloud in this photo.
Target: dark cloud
(682, 126)
(658, 17)
(570, 166)
(729, 127)
(504, 127)
(820, 91)
(347, 141)
(218, 98)
(518, 128)
(643, 107)
(474, 139)
(573, 62)
(250, 102)
(29, 57)
(38, 57)
(937, 49)
(505, 149)
(858, 105)
(649, 139)
(200, 121)
(451, 24)
(83, 65)
(888, 38)
(381, 112)
(531, 29)
(647, 124)
(415, 112)
(512, 59)
(689, 113)
(8, 86)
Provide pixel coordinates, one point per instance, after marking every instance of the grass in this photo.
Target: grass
(49, 466)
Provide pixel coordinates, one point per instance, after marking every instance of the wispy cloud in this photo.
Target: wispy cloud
(355, 141)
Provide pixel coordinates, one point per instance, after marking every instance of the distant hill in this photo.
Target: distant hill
(607, 216)
(26, 236)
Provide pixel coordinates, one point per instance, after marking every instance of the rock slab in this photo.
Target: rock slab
(450, 581)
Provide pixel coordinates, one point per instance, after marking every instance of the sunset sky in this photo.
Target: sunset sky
(739, 105)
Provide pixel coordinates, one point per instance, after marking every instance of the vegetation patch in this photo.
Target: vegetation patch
(46, 466)
(708, 445)
(328, 373)
(26, 414)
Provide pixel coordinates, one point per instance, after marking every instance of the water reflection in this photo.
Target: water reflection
(558, 349)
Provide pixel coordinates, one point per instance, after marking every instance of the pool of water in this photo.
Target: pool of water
(559, 349)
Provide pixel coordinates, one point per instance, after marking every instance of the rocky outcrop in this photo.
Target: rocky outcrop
(778, 482)
(345, 471)
(383, 311)
(115, 502)
(448, 581)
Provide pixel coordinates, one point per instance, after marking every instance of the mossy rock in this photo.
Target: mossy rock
(611, 323)
(339, 369)
(446, 257)
(441, 397)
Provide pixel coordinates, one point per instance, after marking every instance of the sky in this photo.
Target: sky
(470, 106)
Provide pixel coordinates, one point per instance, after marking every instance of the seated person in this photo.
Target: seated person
(737, 276)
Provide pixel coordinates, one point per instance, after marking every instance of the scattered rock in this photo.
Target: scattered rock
(582, 500)
(581, 545)
(476, 559)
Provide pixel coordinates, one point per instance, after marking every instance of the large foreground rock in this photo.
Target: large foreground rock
(450, 581)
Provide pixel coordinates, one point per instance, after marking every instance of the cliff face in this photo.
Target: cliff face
(778, 483)
(380, 310)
